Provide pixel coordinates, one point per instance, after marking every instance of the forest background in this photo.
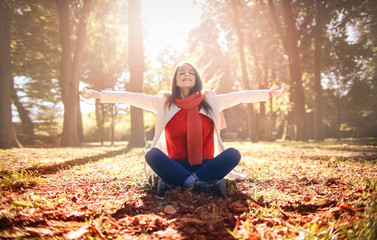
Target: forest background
(324, 51)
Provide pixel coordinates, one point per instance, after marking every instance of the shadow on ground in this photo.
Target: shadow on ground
(52, 169)
(184, 214)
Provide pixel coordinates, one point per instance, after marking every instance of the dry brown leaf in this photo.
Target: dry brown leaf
(96, 231)
(191, 220)
(78, 233)
(252, 204)
(169, 209)
(39, 231)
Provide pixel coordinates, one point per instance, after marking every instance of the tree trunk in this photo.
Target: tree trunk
(298, 95)
(338, 117)
(318, 122)
(98, 107)
(102, 124)
(77, 61)
(272, 119)
(253, 126)
(80, 127)
(259, 126)
(112, 109)
(23, 113)
(8, 138)
(136, 66)
(70, 70)
(290, 40)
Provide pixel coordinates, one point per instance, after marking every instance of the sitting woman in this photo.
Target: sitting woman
(187, 150)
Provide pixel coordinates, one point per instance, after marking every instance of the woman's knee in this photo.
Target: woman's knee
(234, 154)
(152, 154)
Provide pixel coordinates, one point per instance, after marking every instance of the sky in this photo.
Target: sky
(168, 21)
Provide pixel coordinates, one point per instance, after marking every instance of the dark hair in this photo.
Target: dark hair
(197, 87)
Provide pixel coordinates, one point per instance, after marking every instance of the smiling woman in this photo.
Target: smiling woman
(167, 23)
(185, 80)
(187, 150)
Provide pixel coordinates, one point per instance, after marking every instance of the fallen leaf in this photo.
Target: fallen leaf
(39, 231)
(78, 233)
(260, 200)
(96, 231)
(169, 209)
(252, 204)
(191, 220)
(238, 206)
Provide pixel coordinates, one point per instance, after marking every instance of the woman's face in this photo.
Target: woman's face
(186, 77)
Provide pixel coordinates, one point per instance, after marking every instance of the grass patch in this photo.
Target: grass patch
(365, 227)
(19, 180)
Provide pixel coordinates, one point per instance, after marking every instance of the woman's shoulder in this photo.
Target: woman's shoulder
(210, 94)
(164, 94)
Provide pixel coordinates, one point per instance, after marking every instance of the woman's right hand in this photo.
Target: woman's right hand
(89, 94)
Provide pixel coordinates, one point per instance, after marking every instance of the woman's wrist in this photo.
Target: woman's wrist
(97, 95)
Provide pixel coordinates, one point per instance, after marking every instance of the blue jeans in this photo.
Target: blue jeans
(176, 171)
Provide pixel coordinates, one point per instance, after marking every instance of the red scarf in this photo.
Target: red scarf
(194, 127)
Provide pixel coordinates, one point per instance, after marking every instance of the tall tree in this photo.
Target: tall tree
(8, 138)
(70, 69)
(136, 66)
(318, 122)
(365, 22)
(292, 36)
(252, 120)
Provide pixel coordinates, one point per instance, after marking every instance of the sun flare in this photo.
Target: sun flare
(167, 24)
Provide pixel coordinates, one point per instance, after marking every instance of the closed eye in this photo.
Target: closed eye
(183, 73)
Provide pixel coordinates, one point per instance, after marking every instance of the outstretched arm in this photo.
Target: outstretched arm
(229, 100)
(140, 100)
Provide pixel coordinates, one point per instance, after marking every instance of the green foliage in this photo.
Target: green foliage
(158, 75)
(34, 52)
(213, 63)
(105, 52)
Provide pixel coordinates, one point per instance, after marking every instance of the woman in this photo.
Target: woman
(187, 150)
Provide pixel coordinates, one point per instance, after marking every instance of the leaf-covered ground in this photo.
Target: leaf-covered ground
(293, 191)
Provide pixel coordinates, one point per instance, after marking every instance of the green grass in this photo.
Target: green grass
(19, 180)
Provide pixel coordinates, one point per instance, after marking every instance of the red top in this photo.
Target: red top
(176, 136)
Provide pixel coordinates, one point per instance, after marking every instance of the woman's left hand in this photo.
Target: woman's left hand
(277, 92)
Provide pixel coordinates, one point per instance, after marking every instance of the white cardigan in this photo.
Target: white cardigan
(156, 104)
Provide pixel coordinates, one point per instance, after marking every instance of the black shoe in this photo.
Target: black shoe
(220, 187)
(163, 186)
(216, 187)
